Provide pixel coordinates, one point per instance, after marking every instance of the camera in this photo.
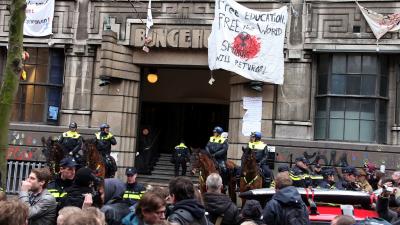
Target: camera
(387, 189)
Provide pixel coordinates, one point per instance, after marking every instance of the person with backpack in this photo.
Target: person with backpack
(286, 206)
(187, 210)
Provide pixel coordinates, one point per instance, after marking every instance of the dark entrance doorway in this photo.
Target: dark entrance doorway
(192, 122)
(182, 105)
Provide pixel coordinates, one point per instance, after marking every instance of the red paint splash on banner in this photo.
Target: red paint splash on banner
(246, 46)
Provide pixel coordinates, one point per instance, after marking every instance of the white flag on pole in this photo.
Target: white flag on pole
(379, 23)
(149, 21)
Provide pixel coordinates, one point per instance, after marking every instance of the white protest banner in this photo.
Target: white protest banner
(248, 42)
(39, 18)
(379, 23)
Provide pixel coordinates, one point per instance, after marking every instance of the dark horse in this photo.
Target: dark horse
(202, 161)
(250, 177)
(91, 157)
(53, 153)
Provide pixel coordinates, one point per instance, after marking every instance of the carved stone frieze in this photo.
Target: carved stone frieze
(343, 23)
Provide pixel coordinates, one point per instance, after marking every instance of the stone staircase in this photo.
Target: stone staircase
(162, 173)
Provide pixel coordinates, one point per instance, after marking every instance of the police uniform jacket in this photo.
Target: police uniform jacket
(218, 146)
(181, 152)
(261, 151)
(57, 187)
(104, 142)
(134, 192)
(71, 141)
(324, 184)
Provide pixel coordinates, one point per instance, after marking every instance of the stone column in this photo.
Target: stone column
(78, 78)
(117, 103)
(240, 89)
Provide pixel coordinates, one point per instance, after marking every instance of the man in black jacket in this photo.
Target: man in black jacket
(187, 210)
(82, 186)
(218, 204)
(286, 206)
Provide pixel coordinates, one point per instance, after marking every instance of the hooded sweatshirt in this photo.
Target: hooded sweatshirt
(115, 208)
(287, 197)
(217, 204)
(188, 212)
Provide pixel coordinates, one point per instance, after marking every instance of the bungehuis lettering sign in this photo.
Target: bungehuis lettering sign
(172, 37)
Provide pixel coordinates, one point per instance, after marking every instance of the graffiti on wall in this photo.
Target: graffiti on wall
(340, 158)
(25, 146)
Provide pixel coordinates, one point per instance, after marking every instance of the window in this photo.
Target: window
(39, 96)
(351, 101)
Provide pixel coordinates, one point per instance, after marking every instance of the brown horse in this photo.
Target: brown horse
(202, 161)
(94, 158)
(250, 177)
(53, 153)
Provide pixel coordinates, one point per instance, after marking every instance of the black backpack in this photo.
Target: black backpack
(295, 214)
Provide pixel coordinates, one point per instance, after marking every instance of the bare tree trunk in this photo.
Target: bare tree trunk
(9, 86)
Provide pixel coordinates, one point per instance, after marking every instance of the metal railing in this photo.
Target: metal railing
(18, 171)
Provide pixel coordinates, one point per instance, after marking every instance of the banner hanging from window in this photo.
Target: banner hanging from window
(248, 42)
(379, 23)
(39, 18)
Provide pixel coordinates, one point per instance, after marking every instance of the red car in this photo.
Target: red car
(325, 204)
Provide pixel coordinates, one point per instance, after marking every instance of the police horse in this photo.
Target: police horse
(205, 164)
(91, 157)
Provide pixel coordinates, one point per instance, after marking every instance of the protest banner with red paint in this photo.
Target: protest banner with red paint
(248, 42)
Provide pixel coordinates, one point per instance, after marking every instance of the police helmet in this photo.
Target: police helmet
(256, 135)
(73, 125)
(103, 126)
(218, 130)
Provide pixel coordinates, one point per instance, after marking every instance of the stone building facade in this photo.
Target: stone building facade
(339, 103)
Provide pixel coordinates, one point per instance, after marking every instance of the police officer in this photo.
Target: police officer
(134, 190)
(217, 146)
(180, 157)
(348, 181)
(261, 152)
(104, 140)
(71, 141)
(328, 181)
(64, 180)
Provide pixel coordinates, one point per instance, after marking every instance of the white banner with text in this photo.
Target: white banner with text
(248, 42)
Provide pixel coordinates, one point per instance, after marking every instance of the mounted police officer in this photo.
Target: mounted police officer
(64, 180)
(134, 190)
(217, 146)
(71, 141)
(261, 152)
(328, 181)
(104, 140)
(180, 158)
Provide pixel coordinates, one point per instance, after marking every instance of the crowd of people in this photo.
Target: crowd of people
(112, 202)
(76, 196)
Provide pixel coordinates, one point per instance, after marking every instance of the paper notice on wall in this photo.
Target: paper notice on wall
(252, 117)
(115, 156)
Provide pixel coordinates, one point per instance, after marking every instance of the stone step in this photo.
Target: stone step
(164, 167)
(162, 177)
